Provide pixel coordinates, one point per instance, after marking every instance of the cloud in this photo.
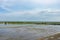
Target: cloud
(43, 10)
(44, 2)
(36, 14)
(11, 5)
(5, 4)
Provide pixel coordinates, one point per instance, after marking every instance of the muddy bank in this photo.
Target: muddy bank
(51, 37)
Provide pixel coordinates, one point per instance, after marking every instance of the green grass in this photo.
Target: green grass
(44, 23)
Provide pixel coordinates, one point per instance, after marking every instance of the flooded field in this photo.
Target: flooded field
(29, 32)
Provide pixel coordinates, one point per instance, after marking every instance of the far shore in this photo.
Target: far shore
(38, 23)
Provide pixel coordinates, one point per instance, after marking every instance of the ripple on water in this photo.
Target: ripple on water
(27, 33)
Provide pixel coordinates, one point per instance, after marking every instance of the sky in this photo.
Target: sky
(29, 10)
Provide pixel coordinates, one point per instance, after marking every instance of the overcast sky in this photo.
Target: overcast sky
(29, 10)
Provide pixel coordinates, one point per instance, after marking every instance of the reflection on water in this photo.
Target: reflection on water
(27, 31)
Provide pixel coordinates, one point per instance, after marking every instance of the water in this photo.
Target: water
(27, 31)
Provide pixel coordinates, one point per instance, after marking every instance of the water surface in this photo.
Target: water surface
(27, 31)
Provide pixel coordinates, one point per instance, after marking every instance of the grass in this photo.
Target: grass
(40, 23)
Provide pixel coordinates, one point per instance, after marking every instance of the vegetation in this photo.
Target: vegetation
(44, 23)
